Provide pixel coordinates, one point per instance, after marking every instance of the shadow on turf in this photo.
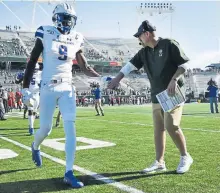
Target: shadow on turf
(13, 171)
(20, 132)
(196, 113)
(15, 134)
(43, 185)
(7, 129)
(135, 175)
(79, 116)
(56, 184)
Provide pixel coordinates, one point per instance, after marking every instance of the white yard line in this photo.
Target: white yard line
(13, 114)
(145, 124)
(185, 115)
(104, 179)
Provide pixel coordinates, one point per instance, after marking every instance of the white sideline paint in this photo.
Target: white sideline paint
(150, 114)
(145, 124)
(55, 144)
(80, 169)
(19, 114)
(7, 153)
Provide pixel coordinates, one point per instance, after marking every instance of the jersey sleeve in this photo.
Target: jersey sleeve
(40, 33)
(178, 55)
(137, 60)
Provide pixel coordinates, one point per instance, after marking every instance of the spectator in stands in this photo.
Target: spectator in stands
(213, 95)
(163, 60)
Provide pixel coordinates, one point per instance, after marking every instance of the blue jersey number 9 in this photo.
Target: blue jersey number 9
(33, 81)
(62, 52)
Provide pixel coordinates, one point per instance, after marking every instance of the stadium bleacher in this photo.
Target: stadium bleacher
(14, 43)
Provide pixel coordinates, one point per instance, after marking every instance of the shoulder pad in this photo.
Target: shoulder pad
(50, 30)
(40, 33)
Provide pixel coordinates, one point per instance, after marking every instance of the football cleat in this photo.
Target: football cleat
(36, 157)
(71, 180)
(31, 131)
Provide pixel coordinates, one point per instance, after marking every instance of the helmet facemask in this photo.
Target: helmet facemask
(64, 22)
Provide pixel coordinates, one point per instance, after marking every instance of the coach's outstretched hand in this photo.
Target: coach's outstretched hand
(114, 83)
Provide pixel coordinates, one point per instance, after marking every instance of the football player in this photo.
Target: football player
(58, 119)
(98, 104)
(59, 45)
(33, 99)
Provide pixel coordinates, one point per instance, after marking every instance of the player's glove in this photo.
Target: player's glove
(19, 76)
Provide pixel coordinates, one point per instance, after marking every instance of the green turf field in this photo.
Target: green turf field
(130, 129)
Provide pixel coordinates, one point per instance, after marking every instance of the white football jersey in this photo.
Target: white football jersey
(35, 82)
(59, 52)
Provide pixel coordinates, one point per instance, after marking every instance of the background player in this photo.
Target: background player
(32, 102)
(58, 119)
(98, 103)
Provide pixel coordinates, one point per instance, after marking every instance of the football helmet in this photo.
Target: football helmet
(64, 17)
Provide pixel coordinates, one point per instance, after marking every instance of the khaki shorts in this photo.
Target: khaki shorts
(166, 120)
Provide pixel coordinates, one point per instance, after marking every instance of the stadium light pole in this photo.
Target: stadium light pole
(153, 8)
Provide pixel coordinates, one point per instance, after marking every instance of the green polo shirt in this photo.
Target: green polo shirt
(160, 63)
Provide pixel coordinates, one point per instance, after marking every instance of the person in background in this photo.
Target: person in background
(2, 109)
(213, 95)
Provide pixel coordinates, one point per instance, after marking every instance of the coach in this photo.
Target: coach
(163, 60)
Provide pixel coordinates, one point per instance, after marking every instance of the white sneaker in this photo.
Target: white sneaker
(155, 167)
(184, 165)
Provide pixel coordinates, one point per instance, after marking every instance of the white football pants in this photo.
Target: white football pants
(62, 94)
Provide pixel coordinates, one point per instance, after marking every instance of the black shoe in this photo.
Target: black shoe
(98, 115)
(3, 119)
(103, 114)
